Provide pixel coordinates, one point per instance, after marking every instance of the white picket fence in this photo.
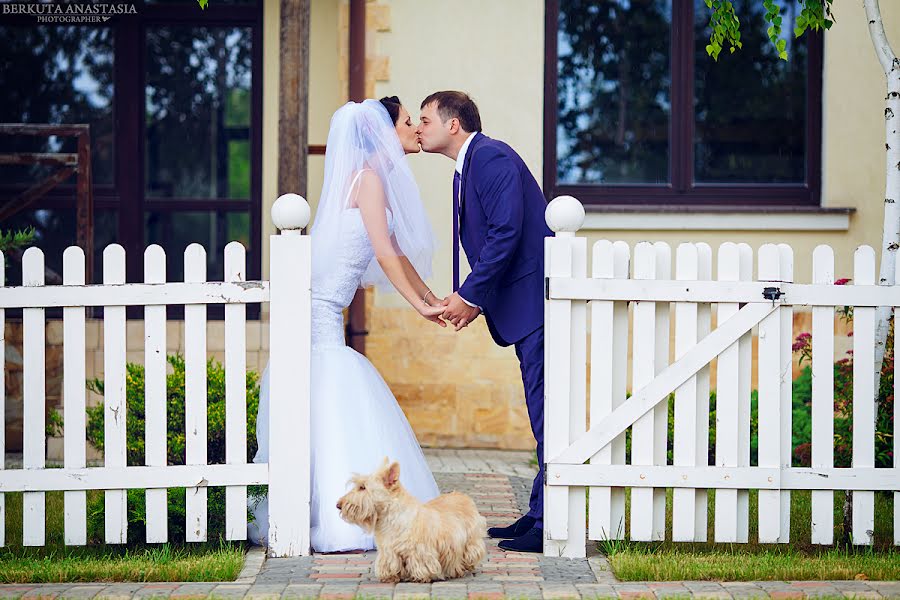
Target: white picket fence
(580, 459)
(287, 473)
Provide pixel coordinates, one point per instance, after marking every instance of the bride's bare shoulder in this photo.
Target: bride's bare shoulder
(369, 187)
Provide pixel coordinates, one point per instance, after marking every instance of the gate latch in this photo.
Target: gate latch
(772, 293)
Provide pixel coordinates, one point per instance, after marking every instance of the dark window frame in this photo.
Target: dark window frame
(126, 193)
(681, 189)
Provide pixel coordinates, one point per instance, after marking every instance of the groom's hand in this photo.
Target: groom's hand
(458, 312)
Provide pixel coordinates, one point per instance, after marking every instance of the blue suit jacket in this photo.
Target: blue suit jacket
(502, 231)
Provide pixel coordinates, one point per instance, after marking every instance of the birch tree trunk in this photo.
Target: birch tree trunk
(891, 233)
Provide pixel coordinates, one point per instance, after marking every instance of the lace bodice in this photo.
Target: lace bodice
(332, 292)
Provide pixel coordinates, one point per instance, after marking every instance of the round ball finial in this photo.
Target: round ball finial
(290, 212)
(564, 214)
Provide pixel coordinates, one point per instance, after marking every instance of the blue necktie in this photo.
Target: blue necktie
(456, 180)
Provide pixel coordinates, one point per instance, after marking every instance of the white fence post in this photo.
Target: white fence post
(786, 258)
(609, 369)
(687, 404)
(647, 520)
(289, 370)
(663, 255)
(74, 397)
(34, 447)
(564, 519)
(114, 416)
(704, 325)
(770, 400)
(155, 396)
(745, 374)
(823, 397)
(864, 396)
(195, 396)
(727, 401)
(235, 393)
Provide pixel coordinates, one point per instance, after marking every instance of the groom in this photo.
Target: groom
(499, 219)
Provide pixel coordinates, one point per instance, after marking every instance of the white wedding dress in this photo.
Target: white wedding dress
(355, 419)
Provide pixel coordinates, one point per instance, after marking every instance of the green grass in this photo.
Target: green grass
(56, 563)
(736, 563)
(799, 560)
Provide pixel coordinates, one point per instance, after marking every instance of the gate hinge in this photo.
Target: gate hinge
(546, 288)
(772, 293)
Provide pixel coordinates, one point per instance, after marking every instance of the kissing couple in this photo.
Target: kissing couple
(371, 229)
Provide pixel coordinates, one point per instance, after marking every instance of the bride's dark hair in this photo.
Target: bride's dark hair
(392, 104)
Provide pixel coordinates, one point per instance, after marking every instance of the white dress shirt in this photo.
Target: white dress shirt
(460, 162)
(461, 157)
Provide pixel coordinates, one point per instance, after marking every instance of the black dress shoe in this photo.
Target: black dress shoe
(518, 528)
(532, 541)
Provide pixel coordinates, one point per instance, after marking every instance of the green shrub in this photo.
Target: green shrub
(11, 241)
(175, 442)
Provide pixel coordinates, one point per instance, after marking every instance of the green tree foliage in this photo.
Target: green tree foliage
(725, 26)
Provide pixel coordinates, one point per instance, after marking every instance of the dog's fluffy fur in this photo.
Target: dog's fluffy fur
(437, 540)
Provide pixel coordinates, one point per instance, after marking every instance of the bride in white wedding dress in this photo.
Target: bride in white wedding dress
(370, 229)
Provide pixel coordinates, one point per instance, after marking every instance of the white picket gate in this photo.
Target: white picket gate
(579, 459)
(287, 473)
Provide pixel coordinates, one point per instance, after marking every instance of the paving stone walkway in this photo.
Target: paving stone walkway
(500, 483)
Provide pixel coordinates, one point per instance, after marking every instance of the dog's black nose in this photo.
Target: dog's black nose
(339, 505)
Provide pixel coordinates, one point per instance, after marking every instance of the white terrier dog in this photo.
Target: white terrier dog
(440, 539)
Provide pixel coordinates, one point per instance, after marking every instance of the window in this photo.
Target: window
(637, 113)
(173, 95)
(197, 159)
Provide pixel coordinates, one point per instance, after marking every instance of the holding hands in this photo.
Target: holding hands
(452, 308)
(458, 312)
(432, 308)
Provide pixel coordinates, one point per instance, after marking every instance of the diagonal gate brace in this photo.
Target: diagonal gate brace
(665, 383)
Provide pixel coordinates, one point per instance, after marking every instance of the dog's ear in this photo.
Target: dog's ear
(392, 476)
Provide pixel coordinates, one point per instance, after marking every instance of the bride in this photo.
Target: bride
(370, 229)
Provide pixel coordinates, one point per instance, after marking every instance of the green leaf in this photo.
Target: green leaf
(781, 45)
(783, 55)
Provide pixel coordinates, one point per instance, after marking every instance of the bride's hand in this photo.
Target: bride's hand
(437, 302)
(431, 299)
(432, 313)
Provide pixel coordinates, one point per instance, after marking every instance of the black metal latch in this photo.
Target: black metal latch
(772, 293)
(546, 288)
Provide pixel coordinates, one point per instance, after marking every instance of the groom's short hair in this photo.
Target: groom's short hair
(456, 105)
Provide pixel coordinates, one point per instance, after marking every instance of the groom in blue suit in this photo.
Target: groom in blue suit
(498, 216)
